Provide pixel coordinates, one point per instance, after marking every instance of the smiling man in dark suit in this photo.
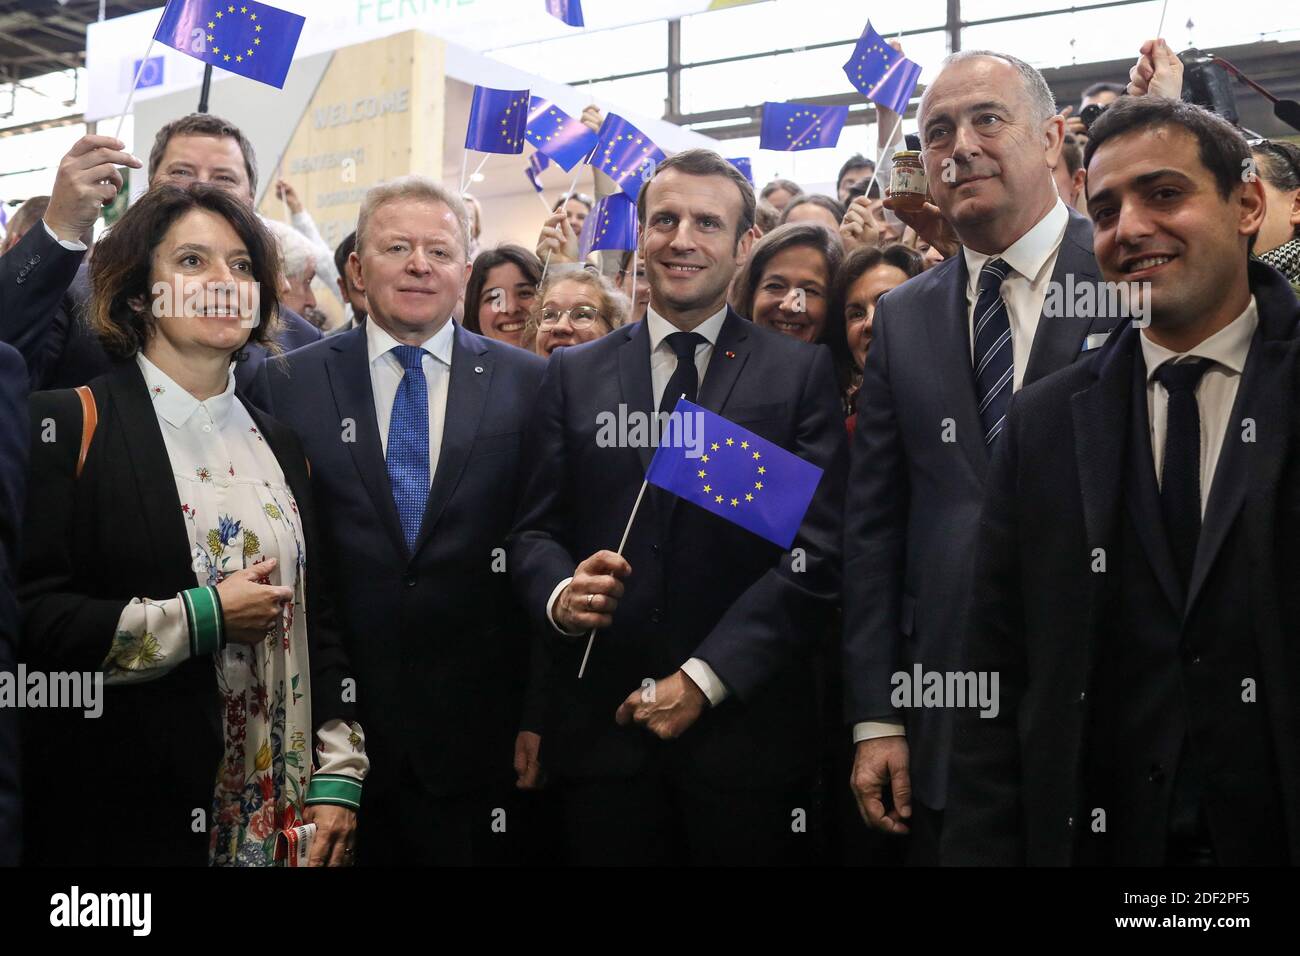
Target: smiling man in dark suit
(1136, 583)
(692, 736)
(412, 426)
(948, 349)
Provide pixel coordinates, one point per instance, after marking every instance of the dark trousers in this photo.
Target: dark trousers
(663, 817)
(406, 825)
(926, 828)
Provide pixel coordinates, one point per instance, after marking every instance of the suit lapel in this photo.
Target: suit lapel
(725, 364)
(1249, 470)
(467, 392)
(154, 478)
(634, 379)
(348, 368)
(949, 327)
(1059, 338)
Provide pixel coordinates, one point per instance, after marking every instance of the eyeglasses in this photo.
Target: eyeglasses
(580, 317)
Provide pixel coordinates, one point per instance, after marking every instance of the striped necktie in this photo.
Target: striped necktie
(994, 370)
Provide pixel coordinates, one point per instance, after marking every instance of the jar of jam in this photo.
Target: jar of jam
(907, 182)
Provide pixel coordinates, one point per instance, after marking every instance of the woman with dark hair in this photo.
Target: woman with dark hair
(168, 551)
(500, 293)
(814, 207)
(866, 275)
(786, 284)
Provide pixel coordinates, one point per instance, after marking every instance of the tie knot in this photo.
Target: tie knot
(409, 355)
(993, 274)
(683, 344)
(1182, 376)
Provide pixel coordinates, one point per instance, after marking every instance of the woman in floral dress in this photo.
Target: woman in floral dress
(175, 559)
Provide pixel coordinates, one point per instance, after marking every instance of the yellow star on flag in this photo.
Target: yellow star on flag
(731, 441)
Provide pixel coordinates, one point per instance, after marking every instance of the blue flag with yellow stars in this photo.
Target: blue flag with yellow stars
(745, 166)
(881, 73)
(610, 225)
(557, 134)
(536, 163)
(735, 474)
(570, 11)
(496, 120)
(625, 154)
(249, 38)
(792, 126)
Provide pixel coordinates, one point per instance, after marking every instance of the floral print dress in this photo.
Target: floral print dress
(239, 512)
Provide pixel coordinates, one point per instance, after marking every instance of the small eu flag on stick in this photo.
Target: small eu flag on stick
(881, 73)
(625, 154)
(795, 126)
(255, 40)
(497, 119)
(557, 134)
(611, 224)
(570, 11)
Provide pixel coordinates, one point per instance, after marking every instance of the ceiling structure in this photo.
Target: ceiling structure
(42, 36)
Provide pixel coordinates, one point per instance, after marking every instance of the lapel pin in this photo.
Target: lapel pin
(478, 369)
(731, 354)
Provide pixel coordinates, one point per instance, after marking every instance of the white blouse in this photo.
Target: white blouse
(239, 511)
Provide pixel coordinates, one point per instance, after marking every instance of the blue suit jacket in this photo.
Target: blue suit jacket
(13, 478)
(700, 586)
(917, 481)
(438, 646)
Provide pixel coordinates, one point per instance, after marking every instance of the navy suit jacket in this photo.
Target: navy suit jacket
(13, 479)
(438, 645)
(44, 292)
(915, 492)
(700, 586)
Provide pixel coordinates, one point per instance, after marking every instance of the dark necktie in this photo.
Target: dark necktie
(685, 379)
(994, 370)
(408, 443)
(1180, 482)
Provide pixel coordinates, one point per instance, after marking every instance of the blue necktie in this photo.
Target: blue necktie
(408, 443)
(993, 367)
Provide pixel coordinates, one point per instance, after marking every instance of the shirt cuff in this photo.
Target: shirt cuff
(72, 245)
(550, 603)
(706, 680)
(203, 617)
(343, 765)
(871, 729)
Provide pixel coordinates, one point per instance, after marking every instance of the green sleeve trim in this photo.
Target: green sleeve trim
(334, 788)
(204, 619)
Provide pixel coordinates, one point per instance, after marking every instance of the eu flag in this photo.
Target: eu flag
(249, 38)
(745, 166)
(740, 476)
(881, 73)
(536, 163)
(625, 154)
(570, 11)
(557, 134)
(792, 126)
(610, 225)
(496, 120)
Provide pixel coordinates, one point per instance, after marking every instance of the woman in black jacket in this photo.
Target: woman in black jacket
(167, 549)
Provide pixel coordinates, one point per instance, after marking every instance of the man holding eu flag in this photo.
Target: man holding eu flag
(692, 735)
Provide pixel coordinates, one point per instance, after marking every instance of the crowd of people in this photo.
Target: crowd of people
(345, 576)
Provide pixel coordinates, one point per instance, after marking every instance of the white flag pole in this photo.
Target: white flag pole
(572, 186)
(591, 638)
(130, 96)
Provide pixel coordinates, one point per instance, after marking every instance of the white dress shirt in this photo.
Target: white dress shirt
(1032, 258)
(1215, 392)
(387, 371)
(663, 362)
